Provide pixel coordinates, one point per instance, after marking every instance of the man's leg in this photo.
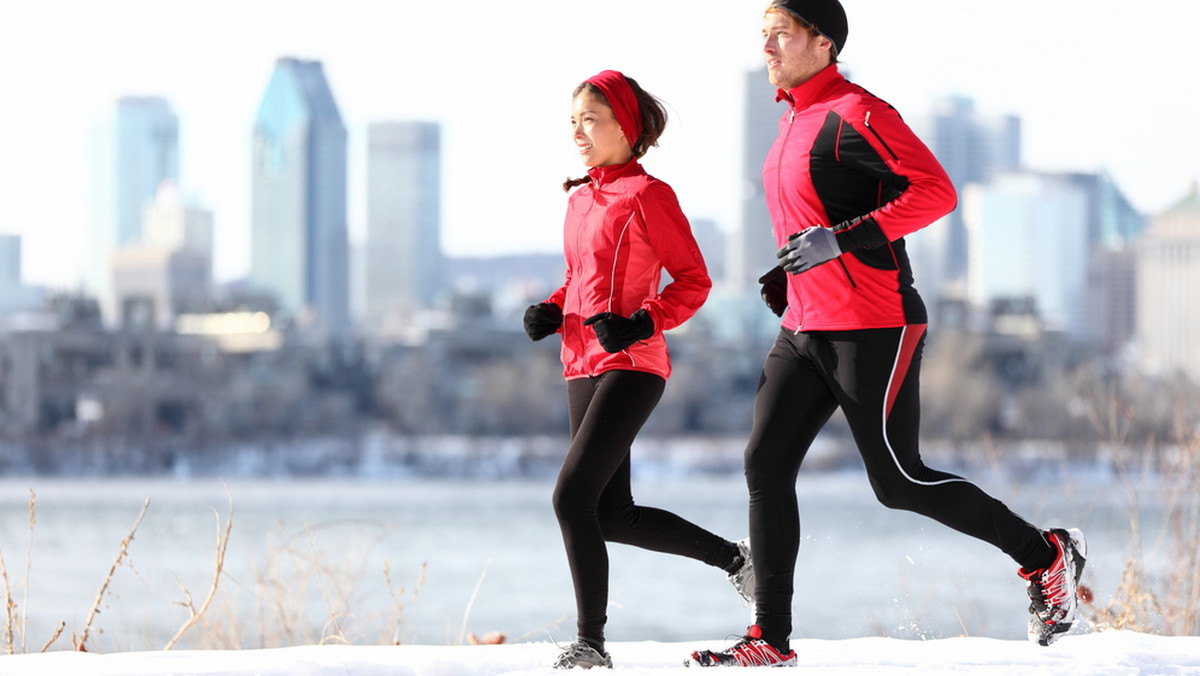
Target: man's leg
(792, 404)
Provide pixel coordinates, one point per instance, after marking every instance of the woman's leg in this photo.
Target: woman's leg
(606, 413)
(593, 498)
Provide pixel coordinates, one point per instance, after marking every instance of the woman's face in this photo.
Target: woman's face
(597, 133)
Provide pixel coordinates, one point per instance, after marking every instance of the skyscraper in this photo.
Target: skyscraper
(138, 149)
(971, 148)
(1168, 285)
(404, 255)
(146, 154)
(299, 241)
(1028, 241)
(170, 270)
(753, 246)
(1062, 240)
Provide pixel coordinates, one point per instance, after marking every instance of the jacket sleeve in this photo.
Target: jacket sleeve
(559, 297)
(671, 236)
(915, 190)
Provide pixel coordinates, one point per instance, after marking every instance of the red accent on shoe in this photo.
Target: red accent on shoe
(1051, 582)
(751, 651)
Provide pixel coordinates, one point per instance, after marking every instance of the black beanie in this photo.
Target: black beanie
(827, 15)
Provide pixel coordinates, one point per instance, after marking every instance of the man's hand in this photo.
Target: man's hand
(774, 290)
(807, 249)
(617, 333)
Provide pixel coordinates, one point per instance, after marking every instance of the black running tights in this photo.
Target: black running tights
(593, 500)
(872, 375)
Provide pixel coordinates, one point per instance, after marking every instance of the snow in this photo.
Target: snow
(1108, 653)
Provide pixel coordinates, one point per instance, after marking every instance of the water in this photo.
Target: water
(305, 562)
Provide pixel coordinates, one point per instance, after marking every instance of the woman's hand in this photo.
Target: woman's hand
(616, 333)
(542, 320)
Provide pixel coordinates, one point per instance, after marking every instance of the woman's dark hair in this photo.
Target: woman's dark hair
(654, 122)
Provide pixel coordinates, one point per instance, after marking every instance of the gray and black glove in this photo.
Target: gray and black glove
(617, 333)
(774, 290)
(807, 249)
(542, 320)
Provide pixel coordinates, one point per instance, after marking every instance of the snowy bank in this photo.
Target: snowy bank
(1112, 653)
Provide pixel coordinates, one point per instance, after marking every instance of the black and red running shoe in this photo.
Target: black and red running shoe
(750, 651)
(1054, 591)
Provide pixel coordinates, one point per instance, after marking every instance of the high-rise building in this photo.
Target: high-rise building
(1168, 291)
(138, 149)
(146, 154)
(1047, 237)
(173, 223)
(170, 270)
(299, 241)
(1028, 241)
(752, 250)
(10, 262)
(404, 269)
(971, 148)
(713, 245)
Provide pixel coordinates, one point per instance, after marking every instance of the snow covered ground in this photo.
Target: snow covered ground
(1112, 653)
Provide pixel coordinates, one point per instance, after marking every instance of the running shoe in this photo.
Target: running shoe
(580, 654)
(1054, 591)
(743, 578)
(750, 651)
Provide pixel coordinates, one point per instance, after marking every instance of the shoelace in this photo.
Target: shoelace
(755, 652)
(1048, 591)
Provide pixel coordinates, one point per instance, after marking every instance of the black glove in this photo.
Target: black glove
(617, 333)
(807, 249)
(542, 320)
(774, 290)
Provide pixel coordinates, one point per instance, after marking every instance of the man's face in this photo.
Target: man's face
(794, 54)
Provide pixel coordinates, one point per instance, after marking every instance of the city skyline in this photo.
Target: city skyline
(501, 91)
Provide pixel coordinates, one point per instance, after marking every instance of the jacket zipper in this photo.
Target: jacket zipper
(779, 180)
(591, 370)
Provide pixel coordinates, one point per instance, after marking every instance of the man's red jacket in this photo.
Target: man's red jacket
(845, 159)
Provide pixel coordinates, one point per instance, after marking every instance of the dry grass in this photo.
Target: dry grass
(80, 643)
(195, 615)
(296, 585)
(397, 596)
(1163, 596)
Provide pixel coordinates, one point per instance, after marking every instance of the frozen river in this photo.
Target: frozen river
(306, 562)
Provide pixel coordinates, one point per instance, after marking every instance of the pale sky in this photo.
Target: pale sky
(1100, 85)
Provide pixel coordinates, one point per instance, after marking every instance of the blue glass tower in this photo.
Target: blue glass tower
(146, 148)
(299, 241)
(136, 149)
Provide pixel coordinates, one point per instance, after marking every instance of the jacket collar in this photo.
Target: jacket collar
(809, 91)
(607, 174)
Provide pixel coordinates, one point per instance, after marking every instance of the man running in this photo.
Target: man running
(845, 181)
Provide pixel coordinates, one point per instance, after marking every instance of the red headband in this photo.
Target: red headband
(621, 99)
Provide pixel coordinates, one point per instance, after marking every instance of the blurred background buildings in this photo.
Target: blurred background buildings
(1038, 281)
